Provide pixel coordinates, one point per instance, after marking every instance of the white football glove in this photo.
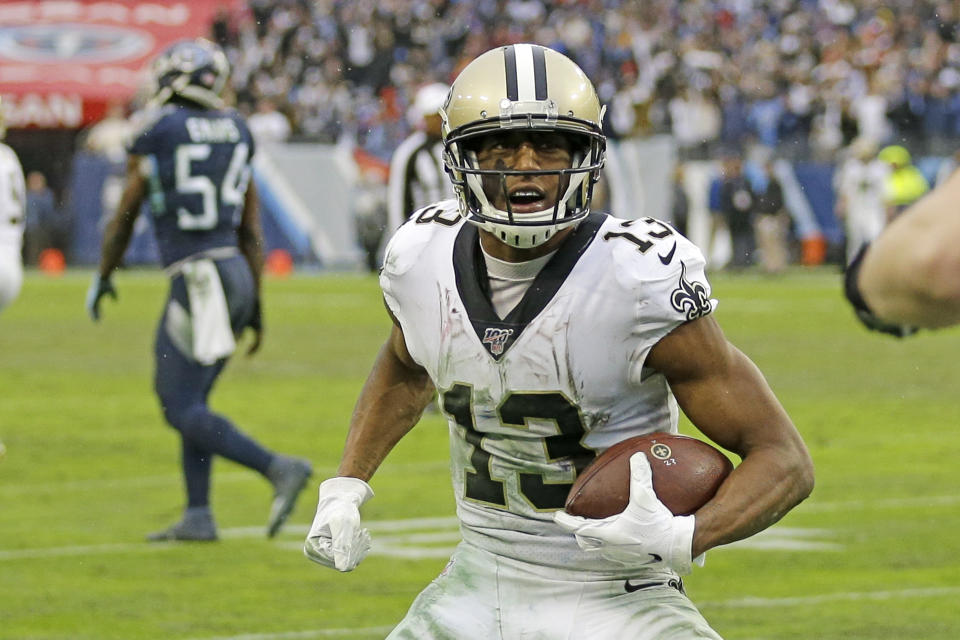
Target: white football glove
(336, 539)
(645, 534)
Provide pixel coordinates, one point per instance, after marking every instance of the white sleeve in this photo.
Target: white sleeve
(668, 296)
(12, 194)
(406, 291)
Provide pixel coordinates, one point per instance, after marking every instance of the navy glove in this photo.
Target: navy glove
(256, 319)
(99, 287)
(256, 323)
(852, 292)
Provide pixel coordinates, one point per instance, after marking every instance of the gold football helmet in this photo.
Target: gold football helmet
(523, 87)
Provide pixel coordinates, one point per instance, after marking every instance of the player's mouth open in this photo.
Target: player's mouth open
(526, 199)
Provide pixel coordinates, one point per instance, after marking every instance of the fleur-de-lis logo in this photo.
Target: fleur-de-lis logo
(690, 298)
(661, 451)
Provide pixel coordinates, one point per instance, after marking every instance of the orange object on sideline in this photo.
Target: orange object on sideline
(279, 263)
(813, 250)
(52, 262)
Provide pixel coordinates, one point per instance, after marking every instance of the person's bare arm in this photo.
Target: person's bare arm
(116, 236)
(250, 243)
(250, 234)
(390, 404)
(726, 397)
(911, 274)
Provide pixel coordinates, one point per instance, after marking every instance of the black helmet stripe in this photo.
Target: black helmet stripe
(510, 59)
(526, 67)
(540, 73)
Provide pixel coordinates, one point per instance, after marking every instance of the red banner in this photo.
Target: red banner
(62, 61)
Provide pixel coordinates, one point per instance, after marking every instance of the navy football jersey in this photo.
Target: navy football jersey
(198, 168)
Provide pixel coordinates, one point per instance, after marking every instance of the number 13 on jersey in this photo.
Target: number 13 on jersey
(515, 411)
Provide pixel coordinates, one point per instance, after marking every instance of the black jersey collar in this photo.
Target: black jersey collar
(495, 334)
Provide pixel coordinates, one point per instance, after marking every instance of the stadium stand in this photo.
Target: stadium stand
(801, 77)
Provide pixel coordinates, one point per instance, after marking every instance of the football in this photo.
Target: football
(686, 473)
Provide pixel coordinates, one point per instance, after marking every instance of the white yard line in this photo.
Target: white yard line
(82, 550)
(780, 538)
(100, 484)
(411, 538)
(436, 537)
(752, 602)
(176, 479)
(396, 534)
(375, 526)
(885, 503)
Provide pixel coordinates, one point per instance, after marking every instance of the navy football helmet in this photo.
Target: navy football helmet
(193, 69)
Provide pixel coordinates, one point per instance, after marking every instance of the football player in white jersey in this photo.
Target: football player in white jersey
(861, 184)
(12, 219)
(551, 333)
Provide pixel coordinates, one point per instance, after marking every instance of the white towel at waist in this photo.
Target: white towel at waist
(210, 319)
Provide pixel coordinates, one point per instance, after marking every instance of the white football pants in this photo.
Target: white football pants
(480, 596)
(11, 274)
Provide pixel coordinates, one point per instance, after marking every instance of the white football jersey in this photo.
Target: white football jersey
(864, 187)
(532, 398)
(12, 198)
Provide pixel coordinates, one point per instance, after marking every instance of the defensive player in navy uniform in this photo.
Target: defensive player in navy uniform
(551, 333)
(191, 163)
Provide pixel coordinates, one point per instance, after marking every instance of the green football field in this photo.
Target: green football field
(90, 468)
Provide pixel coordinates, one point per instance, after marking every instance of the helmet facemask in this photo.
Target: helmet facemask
(477, 188)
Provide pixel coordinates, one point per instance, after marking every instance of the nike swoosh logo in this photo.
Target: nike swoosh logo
(656, 558)
(630, 588)
(669, 257)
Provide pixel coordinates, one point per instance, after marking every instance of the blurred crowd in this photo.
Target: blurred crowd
(803, 76)
(833, 82)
